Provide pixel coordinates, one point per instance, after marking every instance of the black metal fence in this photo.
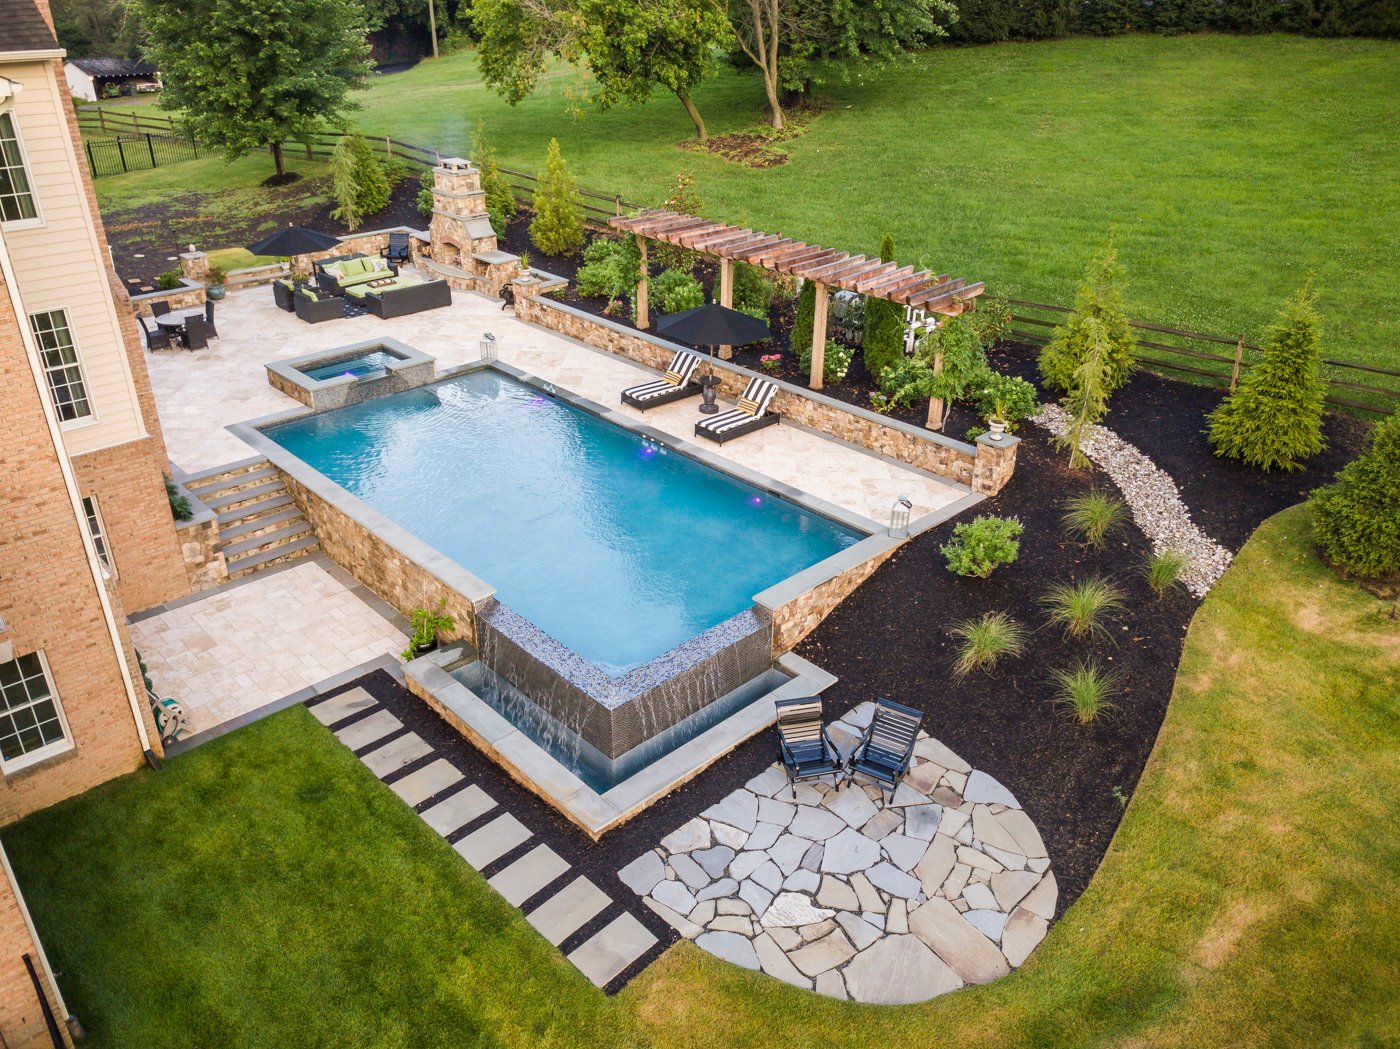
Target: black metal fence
(137, 151)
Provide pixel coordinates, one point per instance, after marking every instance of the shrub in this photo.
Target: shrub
(500, 198)
(558, 225)
(179, 505)
(1092, 517)
(1084, 690)
(1356, 520)
(801, 338)
(358, 180)
(754, 293)
(985, 640)
(676, 290)
(1098, 326)
(974, 432)
(425, 197)
(884, 325)
(964, 365)
(169, 280)
(610, 268)
(981, 546)
(908, 380)
(1081, 607)
(1274, 419)
(1007, 397)
(991, 319)
(1164, 569)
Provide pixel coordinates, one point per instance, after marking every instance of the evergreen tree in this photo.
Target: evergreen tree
(558, 225)
(883, 342)
(1086, 401)
(1356, 520)
(801, 340)
(1274, 419)
(500, 199)
(1098, 315)
(358, 180)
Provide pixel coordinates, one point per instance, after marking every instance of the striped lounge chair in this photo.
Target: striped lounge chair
(751, 414)
(675, 385)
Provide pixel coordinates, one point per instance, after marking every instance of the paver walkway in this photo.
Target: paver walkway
(565, 907)
(855, 893)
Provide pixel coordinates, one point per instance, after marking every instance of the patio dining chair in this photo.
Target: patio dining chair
(397, 252)
(209, 318)
(196, 333)
(160, 307)
(887, 745)
(157, 338)
(803, 742)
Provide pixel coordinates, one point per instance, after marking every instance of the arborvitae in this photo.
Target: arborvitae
(1098, 314)
(1274, 419)
(883, 341)
(558, 225)
(1087, 398)
(358, 180)
(801, 340)
(1357, 519)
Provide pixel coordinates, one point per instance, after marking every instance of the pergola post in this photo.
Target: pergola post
(642, 321)
(726, 296)
(937, 414)
(819, 337)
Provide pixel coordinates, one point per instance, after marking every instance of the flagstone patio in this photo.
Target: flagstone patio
(855, 893)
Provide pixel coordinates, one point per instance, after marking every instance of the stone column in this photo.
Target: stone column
(996, 462)
(194, 265)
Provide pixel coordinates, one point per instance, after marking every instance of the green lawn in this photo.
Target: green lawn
(265, 890)
(1231, 167)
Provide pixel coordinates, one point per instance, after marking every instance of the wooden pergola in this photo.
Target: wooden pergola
(825, 267)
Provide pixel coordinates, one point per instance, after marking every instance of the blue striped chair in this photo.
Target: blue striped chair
(751, 414)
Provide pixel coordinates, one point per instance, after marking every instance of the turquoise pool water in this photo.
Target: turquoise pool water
(373, 361)
(617, 548)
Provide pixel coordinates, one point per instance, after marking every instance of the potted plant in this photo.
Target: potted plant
(214, 284)
(426, 624)
(996, 418)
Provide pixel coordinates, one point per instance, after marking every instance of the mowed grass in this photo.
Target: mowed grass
(1230, 168)
(265, 890)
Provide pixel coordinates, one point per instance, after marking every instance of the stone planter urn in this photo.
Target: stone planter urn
(215, 292)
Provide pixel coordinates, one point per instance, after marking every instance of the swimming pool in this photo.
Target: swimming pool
(362, 364)
(619, 548)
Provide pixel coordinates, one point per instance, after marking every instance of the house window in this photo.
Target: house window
(99, 534)
(16, 198)
(61, 367)
(31, 721)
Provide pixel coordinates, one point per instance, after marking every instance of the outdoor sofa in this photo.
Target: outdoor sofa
(336, 276)
(675, 385)
(751, 414)
(406, 295)
(313, 307)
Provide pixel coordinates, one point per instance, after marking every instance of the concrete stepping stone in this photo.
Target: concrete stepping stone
(568, 910)
(489, 843)
(431, 779)
(612, 949)
(370, 730)
(454, 812)
(395, 754)
(529, 874)
(340, 707)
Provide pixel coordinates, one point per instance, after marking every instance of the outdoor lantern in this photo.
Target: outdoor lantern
(899, 518)
(488, 348)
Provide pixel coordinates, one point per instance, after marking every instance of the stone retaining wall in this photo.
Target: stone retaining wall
(794, 619)
(188, 295)
(984, 468)
(199, 543)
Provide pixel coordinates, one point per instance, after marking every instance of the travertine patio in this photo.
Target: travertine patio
(200, 393)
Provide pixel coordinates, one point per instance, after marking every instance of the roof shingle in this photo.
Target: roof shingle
(25, 28)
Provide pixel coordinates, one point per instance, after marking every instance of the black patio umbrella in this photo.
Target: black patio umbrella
(294, 240)
(713, 325)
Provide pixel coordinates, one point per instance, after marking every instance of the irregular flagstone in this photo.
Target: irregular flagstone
(877, 920)
(853, 806)
(894, 881)
(1040, 866)
(739, 809)
(1012, 861)
(860, 716)
(812, 858)
(803, 880)
(755, 895)
(988, 923)
(1020, 827)
(905, 794)
(921, 821)
(952, 822)
(768, 782)
(689, 836)
(792, 910)
(779, 813)
(837, 893)
(746, 863)
(731, 837)
(704, 912)
(977, 858)
(730, 946)
(1023, 932)
(769, 876)
(867, 894)
(932, 750)
(947, 797)
(815, 824)
(898, 970)
(966, 950)
(860, 932)
(732, 905)
(848, 852)
(936, 864)
(884, 822)
(787, 939)
(713, 861)
(957, 781)
(832, 985)
(674, 895)
(763, 837)
(731, 923)
(808, 794)
(820, 955)
(924, 776)
(982, 787)
(788, 851)
(1041, 899)
(897, 918)
(643, 873)
(718, 890)
(903, 852)
(989, 830)
(775, 963)
(690, 872)
(979, 896)
(953, 886)
(817, 931)
(679, 922)
(1011, 887)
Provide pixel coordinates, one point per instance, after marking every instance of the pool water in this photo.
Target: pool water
(616, 547)
(373, 361)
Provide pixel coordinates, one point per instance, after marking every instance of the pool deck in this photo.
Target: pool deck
(199, 394)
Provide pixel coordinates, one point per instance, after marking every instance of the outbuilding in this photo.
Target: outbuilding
(97, 78)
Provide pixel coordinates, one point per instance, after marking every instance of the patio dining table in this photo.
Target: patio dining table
(175, 319)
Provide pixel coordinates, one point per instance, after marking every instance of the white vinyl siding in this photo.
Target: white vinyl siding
(62, 368)
(16, 196)
(32, 726)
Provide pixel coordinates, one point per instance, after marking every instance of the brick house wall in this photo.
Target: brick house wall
(22, 1023)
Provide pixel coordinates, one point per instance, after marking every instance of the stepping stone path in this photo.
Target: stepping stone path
(523, 869)
(882, 899)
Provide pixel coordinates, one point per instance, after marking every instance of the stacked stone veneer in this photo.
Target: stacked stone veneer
(795, 619)
(985, 468)
(322, 395)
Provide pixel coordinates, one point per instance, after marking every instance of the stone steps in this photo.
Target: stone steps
(261, 523)
(250, 511)
(204, 478)
(564, 907)
(274, 555)
(238, 482)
